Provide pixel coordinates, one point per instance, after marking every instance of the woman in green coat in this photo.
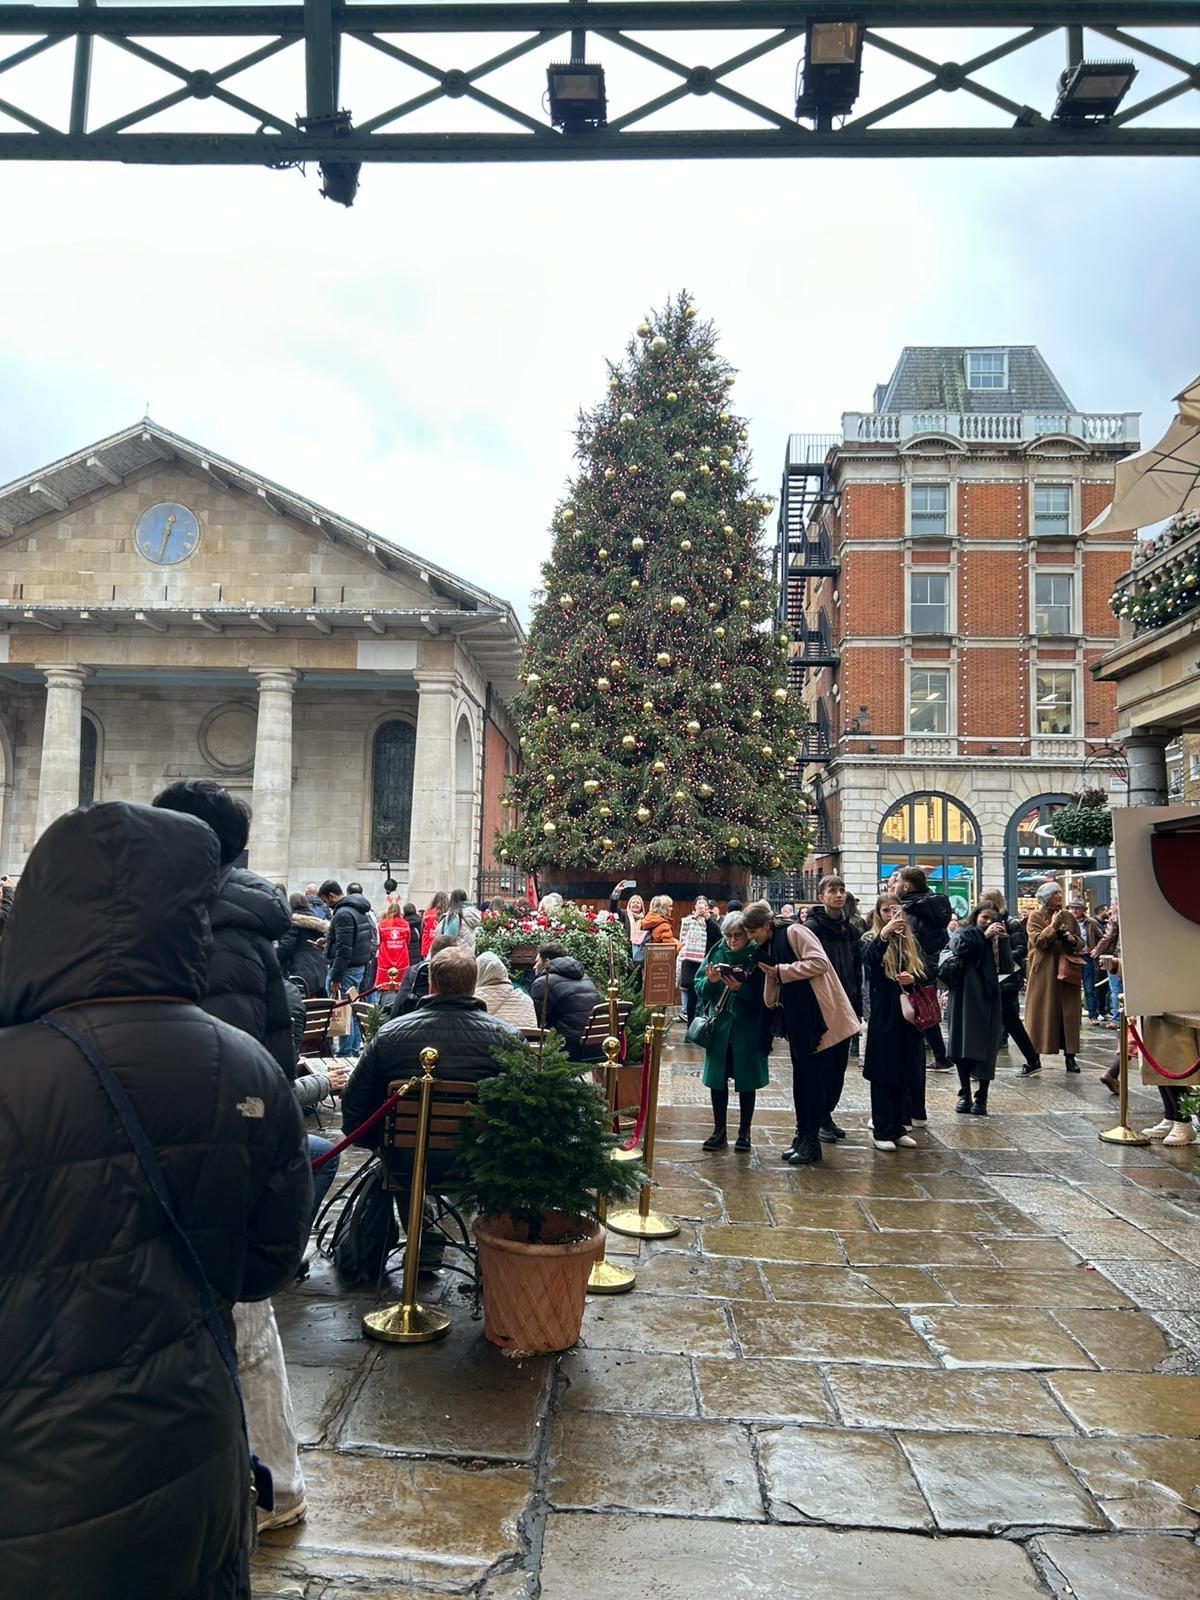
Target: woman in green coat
(737, 1044)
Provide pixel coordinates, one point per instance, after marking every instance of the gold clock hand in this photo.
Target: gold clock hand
(166, 538)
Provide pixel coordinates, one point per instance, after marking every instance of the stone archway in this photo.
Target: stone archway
(464, 805)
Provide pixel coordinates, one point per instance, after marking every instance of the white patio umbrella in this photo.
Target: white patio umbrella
(1161, 482)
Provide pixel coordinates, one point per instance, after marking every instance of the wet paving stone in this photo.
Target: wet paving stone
(770, 1244)
(657, 1323)
(1131, 1403)
(829, 1333)
(1117, 1340)
(975, 1402)
(981, 1286)
(1145, 1567)
(811, 1211)
(626, 1381)
(837, 1286)
(989, 1336)
(699, 1205)
(950, 1186)
(410, 1522)
(1025, 1484)
(694, 1468)
(1115, 1240)
(1034, 1255)
(762, 1390)
(931, 1216)
(914, 1250)
(319, 1395)
(1157, 1286)
(593, 1558)
(713, 1277)
(1141, 1484)
(320, 1331)
(457, 1397)
(858, 1479)
(906, 1286)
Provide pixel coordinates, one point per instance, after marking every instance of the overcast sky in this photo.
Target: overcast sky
(416, 363)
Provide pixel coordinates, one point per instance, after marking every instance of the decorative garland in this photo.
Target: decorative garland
(1087, 823)
(1174, 594)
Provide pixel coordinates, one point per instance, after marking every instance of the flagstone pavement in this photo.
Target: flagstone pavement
(972, 1367)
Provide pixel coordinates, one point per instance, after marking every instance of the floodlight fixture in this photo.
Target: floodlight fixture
(339, 178)
(832, 70)
(1091, 91)
(576, 91)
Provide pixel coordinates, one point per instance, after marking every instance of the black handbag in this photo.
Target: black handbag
(700, 1028)
(262, 1492)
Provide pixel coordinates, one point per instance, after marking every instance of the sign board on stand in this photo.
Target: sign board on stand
(658, 977)
(1160, 945)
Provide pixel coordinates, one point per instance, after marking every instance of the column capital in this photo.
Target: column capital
(276, 680)
(438, 680)
(64, 673)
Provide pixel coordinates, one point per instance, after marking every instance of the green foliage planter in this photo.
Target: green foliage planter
(1087, 824)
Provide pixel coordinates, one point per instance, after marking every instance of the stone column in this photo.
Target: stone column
(58, 784)
(431, 840)
(1145, 750)
(271, 828)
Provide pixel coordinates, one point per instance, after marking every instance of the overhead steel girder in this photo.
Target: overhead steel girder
(288, 135)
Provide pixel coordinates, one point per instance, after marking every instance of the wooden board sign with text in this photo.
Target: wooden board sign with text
(658, 976)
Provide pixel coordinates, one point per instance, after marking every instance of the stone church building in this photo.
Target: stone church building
(166, 613)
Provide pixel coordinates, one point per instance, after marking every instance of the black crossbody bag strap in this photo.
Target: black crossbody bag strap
(148, 1161)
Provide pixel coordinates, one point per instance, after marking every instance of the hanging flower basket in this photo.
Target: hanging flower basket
(1087, 823)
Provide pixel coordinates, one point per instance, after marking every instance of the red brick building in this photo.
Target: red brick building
(947, 604)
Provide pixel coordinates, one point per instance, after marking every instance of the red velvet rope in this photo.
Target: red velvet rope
(349, 1138)
(644, 1105)
(1172, 1077)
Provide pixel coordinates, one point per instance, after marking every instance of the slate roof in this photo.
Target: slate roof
(934, 378)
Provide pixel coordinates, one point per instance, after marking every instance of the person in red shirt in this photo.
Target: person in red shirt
(391, 961)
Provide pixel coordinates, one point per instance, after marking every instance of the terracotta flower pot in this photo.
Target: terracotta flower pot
(533, 1294)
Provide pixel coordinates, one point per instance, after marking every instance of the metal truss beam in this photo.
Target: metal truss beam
(504, 31)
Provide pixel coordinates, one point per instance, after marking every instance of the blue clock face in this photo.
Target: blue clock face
(166, 533)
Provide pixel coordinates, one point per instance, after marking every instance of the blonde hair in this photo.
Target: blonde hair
(662, 905)
(902, 954)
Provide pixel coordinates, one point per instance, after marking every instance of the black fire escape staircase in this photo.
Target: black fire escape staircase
(806, 551)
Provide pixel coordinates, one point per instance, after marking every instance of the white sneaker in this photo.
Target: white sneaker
(1160, 1130)
(1181, 1133)
(885, 1144)
(285, 1516)
(919, 1122)
(907, 1142)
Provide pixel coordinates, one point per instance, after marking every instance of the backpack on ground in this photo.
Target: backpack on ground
(366, 1233)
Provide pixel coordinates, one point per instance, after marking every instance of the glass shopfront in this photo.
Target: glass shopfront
(939, 835)
(1032, 856)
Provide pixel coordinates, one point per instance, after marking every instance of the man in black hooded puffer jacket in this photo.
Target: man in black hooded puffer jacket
(571, 999)
(245, 983)
(123, 1468)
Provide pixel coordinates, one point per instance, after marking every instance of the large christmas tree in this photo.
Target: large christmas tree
(656, 721)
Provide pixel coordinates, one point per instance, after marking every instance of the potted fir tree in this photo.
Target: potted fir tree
(532, 1163)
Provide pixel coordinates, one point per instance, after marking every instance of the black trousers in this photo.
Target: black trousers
(817, 1080)
(889, 1109)
(687, 979)
(1010, 1011)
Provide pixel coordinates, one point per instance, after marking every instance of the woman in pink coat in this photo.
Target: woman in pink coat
(820, 1023)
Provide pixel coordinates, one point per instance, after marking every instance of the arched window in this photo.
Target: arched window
(89, 744)
(1033, 855)
(392, 754)
(939, 835)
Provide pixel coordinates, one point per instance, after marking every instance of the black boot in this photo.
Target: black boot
(1030, 1067)
(717, 1139)
(979, 1108)
(1072, 1064)
(963, 1103)
(745, 1114)
(807, 1151)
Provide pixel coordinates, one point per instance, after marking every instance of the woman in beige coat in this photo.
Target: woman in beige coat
(500, 995)
(1052, 1007)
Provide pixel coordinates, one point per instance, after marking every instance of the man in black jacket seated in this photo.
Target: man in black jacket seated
(571, 1000)
(840, 941)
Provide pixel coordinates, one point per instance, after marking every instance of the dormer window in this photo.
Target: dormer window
(987, 369)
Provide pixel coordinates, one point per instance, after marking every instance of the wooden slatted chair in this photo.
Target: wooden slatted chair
(594, 1035)
(318, 1014)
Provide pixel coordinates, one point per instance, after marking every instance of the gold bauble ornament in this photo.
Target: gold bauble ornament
(728, 574)
(658, 344)
(776, 862)
(634, 469)
(783, 638)
(613, 618)
(689, 312)
(602, 684)
(606, 811)
(727, 531)
(658, 768)
(677, 603)
(614, 383)
(705, 470)
(591, 786)
(551, 779)
(568, 515)
(723, 416)
(602, 554)
(719, 633)
(627, 417)
(662, 659)
(743, 435)
(606, 844)
(503, 855)
(609, 474)
(566, 601)
(743, 605)
(615, 664)
(635, 583)
(549, 828)
(780, 696)
(693, 726)
(678, 498)
(756, 715)
(643, 329)
(577, 727)
(716, 688)
(705, 791)
(685, 545)
(643, 814)
(792, 760)
(637, 544)
(767, 751)
(533, 680)
(733, 841)
(764, 506)
(730, 380)
(724, 466)
(629, 742)
(672, 397)
(648, 707)
(505, 801)
(679, 797)
(552, 711)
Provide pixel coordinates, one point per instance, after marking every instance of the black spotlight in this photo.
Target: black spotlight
(832, 70)
(1090, 92)
(389, 883)
(339, 178)
(577, 96)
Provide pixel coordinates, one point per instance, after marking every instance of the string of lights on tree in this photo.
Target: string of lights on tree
(1173, 594)
(655, 718)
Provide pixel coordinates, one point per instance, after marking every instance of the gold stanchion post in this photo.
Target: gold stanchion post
(606, 1277)
(610, 1071)
(1123, 1133)
(644, 1223)
(410, 1322)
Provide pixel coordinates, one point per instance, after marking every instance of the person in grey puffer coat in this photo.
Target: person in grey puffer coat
(245, 985)
(123, 1468)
